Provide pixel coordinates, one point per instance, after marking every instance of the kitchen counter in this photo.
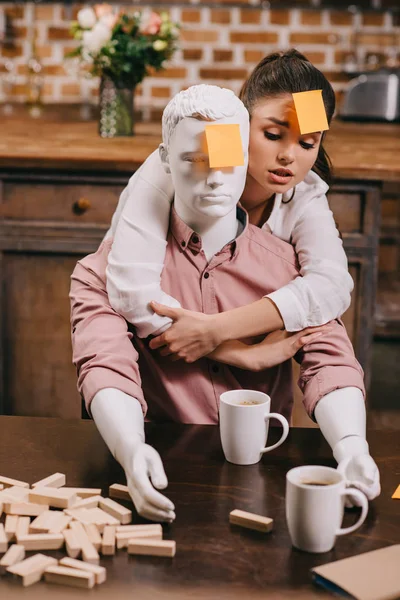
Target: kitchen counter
(363, 151)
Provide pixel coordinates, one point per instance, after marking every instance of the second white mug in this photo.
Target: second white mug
(244, 422)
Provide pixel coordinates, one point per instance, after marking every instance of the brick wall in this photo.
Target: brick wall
(218, 45)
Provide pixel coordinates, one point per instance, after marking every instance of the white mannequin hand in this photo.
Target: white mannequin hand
(362, 473)
(143, 465)
(119, 419)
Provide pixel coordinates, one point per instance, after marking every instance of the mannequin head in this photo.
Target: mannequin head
(202, 193)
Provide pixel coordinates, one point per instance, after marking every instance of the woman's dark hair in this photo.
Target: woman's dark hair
(287, 73)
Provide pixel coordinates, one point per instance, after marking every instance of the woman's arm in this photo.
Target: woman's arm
(137, 255)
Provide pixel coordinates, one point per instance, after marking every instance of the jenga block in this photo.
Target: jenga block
(41, 541)
(72, 577)
(85, 492)
(59, 523)
(116, 510)
(1, 508)
(99, 573)
(14, 494)
(152, 547)
(139, 528)
(93, 535)
(7, 482)
(43, 522)
(80, 514)
(25, 509)
(72, 543)
(108, 542)
(3, 539)
(56, 480)
(31, 569)
(91, 502)
(10, 526)
(59, 498)
(118, 491)
(123, 539)
(250, 521)
(14, 555)
(1, 486)
(89, 552)
(22, 526)
(100, 517)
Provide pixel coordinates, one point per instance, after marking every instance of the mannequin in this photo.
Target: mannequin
(117, 415)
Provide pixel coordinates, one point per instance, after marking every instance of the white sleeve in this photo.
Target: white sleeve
(136, 260)
(322, 293)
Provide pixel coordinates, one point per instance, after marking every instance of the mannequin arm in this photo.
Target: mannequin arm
(342, 419)
(119, 419)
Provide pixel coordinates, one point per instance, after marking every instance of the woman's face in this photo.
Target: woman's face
(279, 156)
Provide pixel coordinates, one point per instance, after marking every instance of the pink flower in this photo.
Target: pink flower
(152, 25)
(102, 10)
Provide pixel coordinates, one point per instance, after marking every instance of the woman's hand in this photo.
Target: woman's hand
(191, 336)
(276, 348)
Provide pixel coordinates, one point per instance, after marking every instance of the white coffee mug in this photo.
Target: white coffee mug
(244, 427)
(315, 499)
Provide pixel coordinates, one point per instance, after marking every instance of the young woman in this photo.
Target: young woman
(285, 194)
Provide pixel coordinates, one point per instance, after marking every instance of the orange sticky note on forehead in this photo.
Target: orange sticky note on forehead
(310, 111)
(224, 144)
(397, 493)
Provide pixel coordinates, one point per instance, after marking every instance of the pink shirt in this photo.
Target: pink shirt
(108, 354)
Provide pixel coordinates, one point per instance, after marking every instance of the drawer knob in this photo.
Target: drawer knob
(81, 206)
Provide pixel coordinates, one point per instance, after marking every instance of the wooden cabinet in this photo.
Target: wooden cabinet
(49, 219)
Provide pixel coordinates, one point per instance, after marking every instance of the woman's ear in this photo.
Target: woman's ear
(162, 149)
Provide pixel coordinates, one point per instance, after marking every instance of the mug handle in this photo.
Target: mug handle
(285, 432)
(364, 509)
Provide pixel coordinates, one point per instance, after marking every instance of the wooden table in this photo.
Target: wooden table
(213, 559)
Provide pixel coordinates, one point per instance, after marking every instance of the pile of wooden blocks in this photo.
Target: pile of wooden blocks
(79, 519)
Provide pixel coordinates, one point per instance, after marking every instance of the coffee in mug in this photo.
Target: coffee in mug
(315, 499)
(244, 422)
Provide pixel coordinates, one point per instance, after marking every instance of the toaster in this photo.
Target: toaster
(373, 97)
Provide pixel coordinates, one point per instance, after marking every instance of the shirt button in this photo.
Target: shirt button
(206, 275)
(183, 244)
(195, 239)
(215, 368)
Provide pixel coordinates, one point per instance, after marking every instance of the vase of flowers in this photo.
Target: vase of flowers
(121, 49)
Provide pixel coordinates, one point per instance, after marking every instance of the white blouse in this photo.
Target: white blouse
(140, 226)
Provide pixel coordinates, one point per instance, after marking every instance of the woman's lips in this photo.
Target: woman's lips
(282, 180)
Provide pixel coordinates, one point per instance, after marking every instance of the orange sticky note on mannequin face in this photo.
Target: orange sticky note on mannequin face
(310, 110)
(397, 493)
(224, 144)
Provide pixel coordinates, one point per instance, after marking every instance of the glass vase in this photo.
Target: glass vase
(116, 109)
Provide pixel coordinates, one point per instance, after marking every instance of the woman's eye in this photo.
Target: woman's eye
(272, 136)
(307, 146)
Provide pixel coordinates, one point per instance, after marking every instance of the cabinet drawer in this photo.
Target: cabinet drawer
(73, 202)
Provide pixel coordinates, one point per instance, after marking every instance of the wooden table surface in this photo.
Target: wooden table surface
(358, 150)
(213, 559)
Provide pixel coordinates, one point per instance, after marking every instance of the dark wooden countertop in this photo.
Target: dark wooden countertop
(358, 150)
(213, 559)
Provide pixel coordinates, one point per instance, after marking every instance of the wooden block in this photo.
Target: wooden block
(108, 543)
(139, 528)
(121, 492)
(59, 523)
(124, 515)
(80, 514)
(10, 526)
(89, 552)
(31, 569)
(22, 526)
(3, 539)
(1, 508)
(66, 576)
(41, 541)
(91, 502)
(100, 517)
(7, 482)
(25, 509)
(1, 486)
(251, 521)
(93, 535)
(56, 480)
(58, 498)
(72, 543)
(14, 494)
(14, 555)
(42, 523)
(99, 573)
(152, 547)
(85, 492)
(123, 539)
